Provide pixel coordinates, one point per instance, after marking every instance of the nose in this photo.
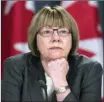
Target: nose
(55, 37)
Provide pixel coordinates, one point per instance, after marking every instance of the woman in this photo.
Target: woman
(53, 40)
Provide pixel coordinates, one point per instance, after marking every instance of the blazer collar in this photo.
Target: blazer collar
(36, 68)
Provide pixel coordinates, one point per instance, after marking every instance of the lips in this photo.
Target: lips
(56, 48)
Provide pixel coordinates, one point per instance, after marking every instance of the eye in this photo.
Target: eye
(47, 31)
(63, 31)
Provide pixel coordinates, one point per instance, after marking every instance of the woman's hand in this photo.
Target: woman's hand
(57, 70)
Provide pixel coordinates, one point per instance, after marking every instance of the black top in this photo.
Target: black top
(23, 72)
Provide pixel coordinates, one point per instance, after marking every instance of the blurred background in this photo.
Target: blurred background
(16, 16)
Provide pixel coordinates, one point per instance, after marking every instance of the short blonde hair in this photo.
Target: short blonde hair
(55, 16)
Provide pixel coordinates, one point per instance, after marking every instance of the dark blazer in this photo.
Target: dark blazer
(22, 73)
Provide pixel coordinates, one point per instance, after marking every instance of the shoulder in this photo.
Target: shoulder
(18, 59)
(18, 56)
(17, 62)
(85, 63)
(21, 58)
(84, 60)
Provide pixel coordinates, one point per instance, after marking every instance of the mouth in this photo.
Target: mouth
(55, 48)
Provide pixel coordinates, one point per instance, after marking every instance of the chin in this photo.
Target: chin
(55, 56)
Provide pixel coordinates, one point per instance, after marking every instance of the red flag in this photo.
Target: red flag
(16, 17)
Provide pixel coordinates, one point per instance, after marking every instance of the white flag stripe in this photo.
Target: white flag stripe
(8, 6)
(66, 4)
(22, 47)
(30, 5)
(94, 45)
(93, 3)
(99, 28)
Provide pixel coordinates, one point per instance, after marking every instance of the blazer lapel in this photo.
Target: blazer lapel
(35, 91)
(36, 73)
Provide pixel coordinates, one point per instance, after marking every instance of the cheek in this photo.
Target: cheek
(42, 45)
(68, 45)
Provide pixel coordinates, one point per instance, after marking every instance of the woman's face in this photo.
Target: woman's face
(54, 43)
